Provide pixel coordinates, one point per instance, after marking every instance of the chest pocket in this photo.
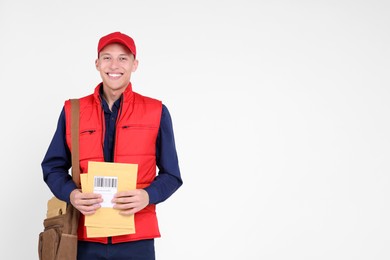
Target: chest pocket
(90, 143)
(136, 139)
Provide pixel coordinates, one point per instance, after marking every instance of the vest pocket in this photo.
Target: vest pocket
(136, 139)
(90, 143)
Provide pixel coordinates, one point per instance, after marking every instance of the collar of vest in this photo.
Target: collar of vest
(128, 94)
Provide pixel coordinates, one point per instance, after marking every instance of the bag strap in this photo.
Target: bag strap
(74, 134)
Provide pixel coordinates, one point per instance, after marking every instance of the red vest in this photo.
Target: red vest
(136, 133)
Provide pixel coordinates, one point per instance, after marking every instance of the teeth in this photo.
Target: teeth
(114, 75)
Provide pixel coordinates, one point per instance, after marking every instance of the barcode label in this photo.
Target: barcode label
(107, 186)
(106, 182)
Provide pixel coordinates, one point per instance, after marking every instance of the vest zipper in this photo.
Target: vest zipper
(103, 124)
(116, 127)
(88, 131)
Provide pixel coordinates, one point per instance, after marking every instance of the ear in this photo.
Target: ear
(97, 64)
(135, 65)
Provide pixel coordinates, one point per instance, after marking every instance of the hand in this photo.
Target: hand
(130, 202)
(86, 203)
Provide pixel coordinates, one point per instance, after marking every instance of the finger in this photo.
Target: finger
(89, 195)
(124, 206)
(88, 213)
(129, 212)
(89, 202)
(122, 200)
(89, 210)
(127, 193)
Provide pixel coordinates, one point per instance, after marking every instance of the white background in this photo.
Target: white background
(280, 110)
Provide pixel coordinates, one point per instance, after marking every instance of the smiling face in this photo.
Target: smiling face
(115, 64)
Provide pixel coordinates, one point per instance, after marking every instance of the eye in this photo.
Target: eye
(105, 57)
(123, 59)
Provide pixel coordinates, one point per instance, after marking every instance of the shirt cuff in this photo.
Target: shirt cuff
(153, 194)
(68, 188)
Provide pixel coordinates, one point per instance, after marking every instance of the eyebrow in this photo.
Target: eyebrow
(122, 54)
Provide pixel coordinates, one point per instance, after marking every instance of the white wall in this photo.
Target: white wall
(280, 108)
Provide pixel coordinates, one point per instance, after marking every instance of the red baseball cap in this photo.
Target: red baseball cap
(117, 37)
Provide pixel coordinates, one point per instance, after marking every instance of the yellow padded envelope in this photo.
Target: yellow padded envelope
(107, 221)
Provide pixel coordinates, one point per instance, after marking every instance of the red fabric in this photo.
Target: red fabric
(136, 133)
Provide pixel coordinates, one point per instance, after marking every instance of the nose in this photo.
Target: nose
(114, 64)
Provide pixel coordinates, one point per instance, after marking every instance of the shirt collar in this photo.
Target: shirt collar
(116, 106)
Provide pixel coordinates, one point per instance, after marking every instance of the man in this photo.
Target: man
(117, 125)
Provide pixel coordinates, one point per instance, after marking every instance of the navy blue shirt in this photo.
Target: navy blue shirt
(57, 161)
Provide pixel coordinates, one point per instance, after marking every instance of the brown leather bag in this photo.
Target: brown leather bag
(58, 241)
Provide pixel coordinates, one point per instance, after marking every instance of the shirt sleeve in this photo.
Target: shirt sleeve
(169, 178)
(57, 162)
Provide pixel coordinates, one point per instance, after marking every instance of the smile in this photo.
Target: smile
(114, 75)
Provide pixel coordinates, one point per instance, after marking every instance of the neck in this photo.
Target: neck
(111, 97)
